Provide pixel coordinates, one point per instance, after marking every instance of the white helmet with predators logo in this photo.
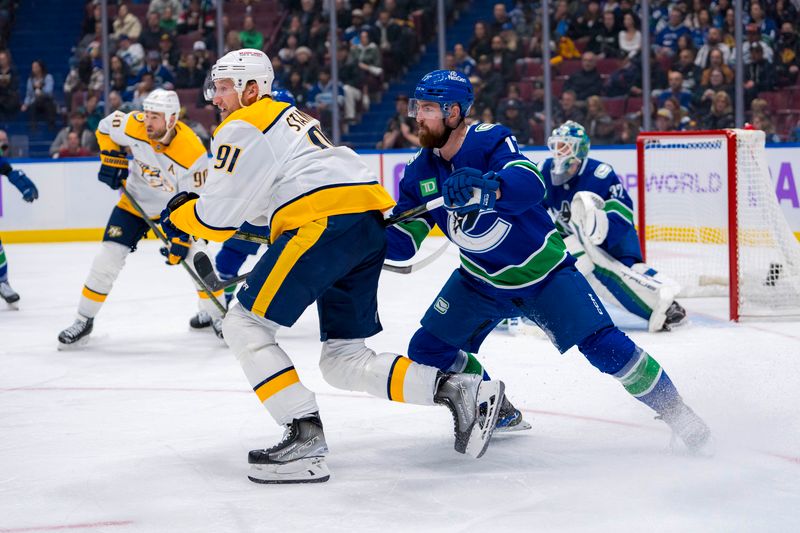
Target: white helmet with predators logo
(242, 66)
(162, 101)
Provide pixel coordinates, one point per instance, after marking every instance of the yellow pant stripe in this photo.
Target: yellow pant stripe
(306, 237)
(397, 377)
(276, 383)
(92, 295)
(204, 296)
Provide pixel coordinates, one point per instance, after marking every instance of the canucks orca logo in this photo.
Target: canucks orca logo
(477, 231)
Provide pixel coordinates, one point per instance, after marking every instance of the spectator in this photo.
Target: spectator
(502, 61)
(120, 74)
(514, 120)
(143, 88)
(352, 33)
(233, 42)
(626, 79)
(762, 122)
(679, 114)
(203, 56)
(500, 17)
(188, 75)
(39, 95)
(700, 24)
(630, 38)
(586, 81)
(605, 41)
(787, 62)
(77, 126)
(401, 130)
(94, 114)
(9, 87)
(169, 55)
(704, 97)
(629, 128)
(250, 36)
(492, 81)
(675, 90)
(714, 42)
(691, 73)
(759, 75)
(721, 115)
(390, 40)
(766, 26)
(72, 147)
(126, 23)
(352, 81)
(162, 76)
(305, 64)
(716, 61)
(151, 34)
(463, 61)
(667, 38)
(567, 109)
(754, 38)
(481, 43)
(664, 120)
(599, 125)
(368, 58)
(487, 116)
(321, 98)
(168, 21)
(588, 23)
(160, 6)
(782, 11)
(197, 18)
(296, 87)
(131, 53)
(114, 103)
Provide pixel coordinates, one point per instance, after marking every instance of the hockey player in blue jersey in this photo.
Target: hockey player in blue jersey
(29, 193)
(513, 260)
(594, 214)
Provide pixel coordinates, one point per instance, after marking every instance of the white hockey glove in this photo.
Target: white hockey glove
(588, 215)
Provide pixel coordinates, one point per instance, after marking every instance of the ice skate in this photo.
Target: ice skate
(464, 395)
(297, 458)
(690, 428)
(201, 320)
(509, 418)
(76, 335)
(676, 315)
(9, 295)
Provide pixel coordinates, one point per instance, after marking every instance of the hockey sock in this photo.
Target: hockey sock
(467, 363)
(105, 269)
(3, 264)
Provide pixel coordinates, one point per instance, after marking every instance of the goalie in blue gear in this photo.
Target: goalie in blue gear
(513, 260)
(29, 193)
(594, 215)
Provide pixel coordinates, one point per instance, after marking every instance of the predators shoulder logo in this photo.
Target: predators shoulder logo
(114, 232)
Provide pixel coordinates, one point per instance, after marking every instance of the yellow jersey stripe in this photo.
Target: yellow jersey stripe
(105, 143)
(298, 245)
(397, 377)
(185, 218)
(204, 296)
(93, 295)
(276, 383)
(261, 114)
(340, 199)
(126, 205)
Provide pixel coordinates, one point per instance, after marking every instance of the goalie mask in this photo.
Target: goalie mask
(241, 67)
(568, 144)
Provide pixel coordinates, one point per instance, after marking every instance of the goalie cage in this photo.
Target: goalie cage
(713, 223)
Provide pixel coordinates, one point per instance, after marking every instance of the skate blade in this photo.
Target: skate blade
(491, 393)
(307, 470)
(13, 306)
(77, 345)
(522, 426)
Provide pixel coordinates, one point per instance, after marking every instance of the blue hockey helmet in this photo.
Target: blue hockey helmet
(446, 87)
(568, 143)
(283, 95)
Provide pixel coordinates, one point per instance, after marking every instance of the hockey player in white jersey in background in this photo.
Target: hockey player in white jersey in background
(168, 157)
(594, 213)
(324, 208)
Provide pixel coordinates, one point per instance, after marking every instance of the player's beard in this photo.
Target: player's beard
(156, 135)
(428, 139)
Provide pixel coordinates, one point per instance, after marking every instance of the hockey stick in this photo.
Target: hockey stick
(205, 269)
(158, 233)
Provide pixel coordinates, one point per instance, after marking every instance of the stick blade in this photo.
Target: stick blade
(204, 269)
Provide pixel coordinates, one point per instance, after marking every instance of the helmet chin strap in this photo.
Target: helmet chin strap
(170, 129)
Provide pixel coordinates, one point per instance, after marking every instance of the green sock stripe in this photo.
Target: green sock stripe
(643, 378)
(2, 257)
(473, 366)
(230, 290)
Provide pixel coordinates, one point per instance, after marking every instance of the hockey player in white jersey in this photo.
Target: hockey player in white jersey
(272, 163)
(168, 157)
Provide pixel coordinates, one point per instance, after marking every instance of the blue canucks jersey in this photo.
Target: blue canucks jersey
(512, 246)
(622, 241)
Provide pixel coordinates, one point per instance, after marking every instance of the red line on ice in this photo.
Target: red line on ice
(68, 526)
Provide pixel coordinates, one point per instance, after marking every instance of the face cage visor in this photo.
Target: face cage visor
(563, 150)
(425, 109)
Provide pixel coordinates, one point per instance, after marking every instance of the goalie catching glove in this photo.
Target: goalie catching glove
(113, 168)
(586, 212)
(468, 189)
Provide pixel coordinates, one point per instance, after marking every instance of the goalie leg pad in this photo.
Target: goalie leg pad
(267, 367)
(106, 267)
(350, 365)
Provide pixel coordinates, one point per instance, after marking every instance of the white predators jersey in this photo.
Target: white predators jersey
(157, 172)
(272, 163)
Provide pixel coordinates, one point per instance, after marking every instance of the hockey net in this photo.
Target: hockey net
(712, 221)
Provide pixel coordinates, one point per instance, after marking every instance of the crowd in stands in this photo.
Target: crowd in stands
(596, 51)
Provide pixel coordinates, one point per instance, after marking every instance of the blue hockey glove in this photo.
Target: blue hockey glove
(22, 182)
(177, 251)
(467, 189)
(170, 229)
(113, 168)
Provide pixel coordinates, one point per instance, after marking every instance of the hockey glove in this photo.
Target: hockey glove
(467, 189)
(171, 230)
(177, 250)
(586, 210)
(113, 168)
(22, 182)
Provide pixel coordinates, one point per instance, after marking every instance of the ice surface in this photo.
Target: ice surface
(148, 427)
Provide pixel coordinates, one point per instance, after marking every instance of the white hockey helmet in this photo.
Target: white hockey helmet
(242, 66)
(163, 101)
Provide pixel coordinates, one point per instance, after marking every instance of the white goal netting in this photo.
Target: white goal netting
(686, 180)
